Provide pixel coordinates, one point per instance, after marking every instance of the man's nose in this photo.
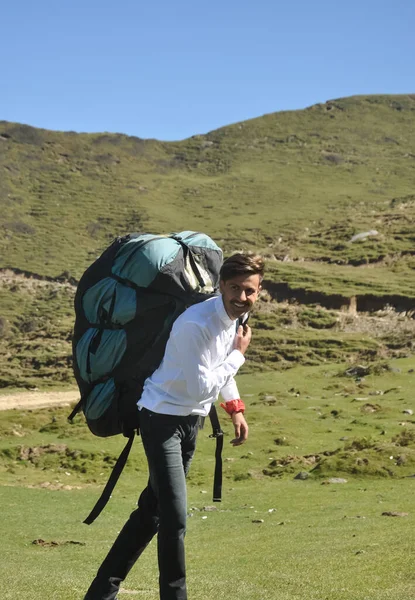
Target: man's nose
(242, 296)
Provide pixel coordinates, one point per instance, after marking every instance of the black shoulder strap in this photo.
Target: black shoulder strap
(76, 410)
(218, 434)
(115, 474)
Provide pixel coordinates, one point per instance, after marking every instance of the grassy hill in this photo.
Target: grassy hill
(298, 183)
(296, 186)
(328, 383)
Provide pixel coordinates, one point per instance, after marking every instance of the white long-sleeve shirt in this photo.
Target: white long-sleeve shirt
(198, 364)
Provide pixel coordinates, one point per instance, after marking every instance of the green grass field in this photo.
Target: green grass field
(316, 540)
(321, 542)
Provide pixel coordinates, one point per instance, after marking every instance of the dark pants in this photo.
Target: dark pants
(169, 443)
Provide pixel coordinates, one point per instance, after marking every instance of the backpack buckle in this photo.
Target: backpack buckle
(217, 433)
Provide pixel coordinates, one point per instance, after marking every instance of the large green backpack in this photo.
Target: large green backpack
(125, 306)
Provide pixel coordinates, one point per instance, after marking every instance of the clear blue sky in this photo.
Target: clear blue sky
(169, 69)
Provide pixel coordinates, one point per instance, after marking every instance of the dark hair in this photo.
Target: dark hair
(242, 264)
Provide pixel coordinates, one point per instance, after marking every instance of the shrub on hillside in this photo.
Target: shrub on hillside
(20, 227)
(24, 134)
(317, 318)
(28, 325)
(4, 328)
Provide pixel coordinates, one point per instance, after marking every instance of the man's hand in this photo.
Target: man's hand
(243, 338)
(241, 428)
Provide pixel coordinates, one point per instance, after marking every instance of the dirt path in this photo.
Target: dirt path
(24, 400)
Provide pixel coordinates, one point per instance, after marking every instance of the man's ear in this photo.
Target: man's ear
(221, 285)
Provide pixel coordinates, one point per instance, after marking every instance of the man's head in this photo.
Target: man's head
(240, 283)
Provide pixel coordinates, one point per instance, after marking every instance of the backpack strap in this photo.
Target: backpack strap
(122, 459)
(218, 434)
(76, 410)
(115, 474)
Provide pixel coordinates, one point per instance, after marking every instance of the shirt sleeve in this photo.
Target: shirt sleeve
(203, 382)
(230, 391)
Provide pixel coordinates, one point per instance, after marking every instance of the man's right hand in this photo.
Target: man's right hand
(243, 338)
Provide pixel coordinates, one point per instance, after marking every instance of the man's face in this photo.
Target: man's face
(239, 294)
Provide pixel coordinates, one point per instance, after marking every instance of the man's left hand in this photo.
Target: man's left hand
(241, 428)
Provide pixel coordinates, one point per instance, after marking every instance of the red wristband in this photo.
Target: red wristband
(233, 406)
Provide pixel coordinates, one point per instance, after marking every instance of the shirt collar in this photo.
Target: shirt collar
(223, 315)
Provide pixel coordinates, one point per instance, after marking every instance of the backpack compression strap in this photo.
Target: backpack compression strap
(218, 434)
(116, 472)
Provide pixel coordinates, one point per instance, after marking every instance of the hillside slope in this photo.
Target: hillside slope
(297, 186)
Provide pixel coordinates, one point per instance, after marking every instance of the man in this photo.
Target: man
(204, 352)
